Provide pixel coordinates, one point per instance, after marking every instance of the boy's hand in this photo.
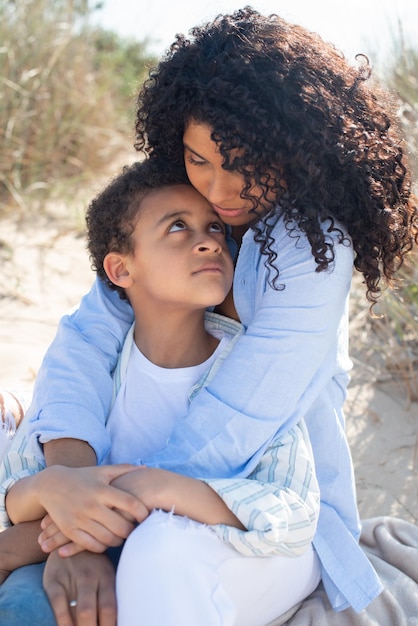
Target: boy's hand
(51, 538)
(86, 509)
(89, 580)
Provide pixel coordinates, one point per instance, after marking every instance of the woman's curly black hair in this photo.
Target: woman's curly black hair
(111, 217)
(309, 126)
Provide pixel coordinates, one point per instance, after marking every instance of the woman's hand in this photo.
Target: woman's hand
(87, 579)
(86, 509)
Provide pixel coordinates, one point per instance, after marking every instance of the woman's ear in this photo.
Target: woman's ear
(117, 270)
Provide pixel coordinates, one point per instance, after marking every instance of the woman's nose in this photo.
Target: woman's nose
(223, 188)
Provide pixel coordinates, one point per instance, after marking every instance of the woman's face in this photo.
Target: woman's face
(221, 187)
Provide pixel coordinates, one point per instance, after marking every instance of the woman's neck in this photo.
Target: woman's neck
(238, 233)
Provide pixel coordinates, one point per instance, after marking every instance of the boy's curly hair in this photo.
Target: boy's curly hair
(111, 217)
(299, 113)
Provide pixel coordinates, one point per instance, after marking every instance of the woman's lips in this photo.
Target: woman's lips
(228, 212)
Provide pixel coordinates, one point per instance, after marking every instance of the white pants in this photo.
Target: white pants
(176, 572)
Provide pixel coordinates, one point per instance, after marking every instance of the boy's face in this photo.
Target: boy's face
(180, 254)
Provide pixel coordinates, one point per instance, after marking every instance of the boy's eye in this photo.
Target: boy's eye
(216, 227)
(178, 225)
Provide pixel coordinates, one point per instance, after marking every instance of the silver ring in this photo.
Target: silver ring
(73, 603)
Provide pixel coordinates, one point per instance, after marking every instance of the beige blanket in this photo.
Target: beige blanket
(392, 546)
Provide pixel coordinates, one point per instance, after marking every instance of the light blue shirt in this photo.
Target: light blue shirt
(278, 503)
(291, 363)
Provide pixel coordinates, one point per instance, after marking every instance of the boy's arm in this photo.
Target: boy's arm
(273, 511)
(22, 499)
(155, 489)
(19, 543)
(278, 503)
(190, 497)
(78, 499)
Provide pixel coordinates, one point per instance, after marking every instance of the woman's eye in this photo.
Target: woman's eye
(190, 159)
(178, 225)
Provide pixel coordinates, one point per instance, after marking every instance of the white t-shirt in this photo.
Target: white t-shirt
(149, 401)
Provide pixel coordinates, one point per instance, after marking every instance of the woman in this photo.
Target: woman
(300, 156)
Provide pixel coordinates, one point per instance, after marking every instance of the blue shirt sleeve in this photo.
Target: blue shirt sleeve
(73, 389)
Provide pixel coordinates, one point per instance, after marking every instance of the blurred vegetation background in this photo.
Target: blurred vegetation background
(67, 103)
(67, 99)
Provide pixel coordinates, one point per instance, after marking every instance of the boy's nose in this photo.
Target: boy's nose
(208, 244)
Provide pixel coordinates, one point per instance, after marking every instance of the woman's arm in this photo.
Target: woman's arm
(295, 344)
(73, 388)
(267, 384)
(18, 547)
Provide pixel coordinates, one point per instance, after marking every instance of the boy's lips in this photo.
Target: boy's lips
(209, 267)
(228, 212)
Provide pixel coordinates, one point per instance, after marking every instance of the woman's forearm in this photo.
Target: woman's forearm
(73, 388)
(18, 547)
(69, 452)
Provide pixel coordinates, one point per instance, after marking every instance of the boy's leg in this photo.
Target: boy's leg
(23, 601)
(175, 571)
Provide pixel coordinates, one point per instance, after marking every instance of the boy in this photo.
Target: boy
(161, 245)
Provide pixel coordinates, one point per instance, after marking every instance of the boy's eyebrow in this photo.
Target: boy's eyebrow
(167, 217)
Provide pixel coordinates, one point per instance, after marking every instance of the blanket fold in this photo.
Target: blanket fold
(391, 544)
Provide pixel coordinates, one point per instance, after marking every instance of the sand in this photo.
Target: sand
(46, 270)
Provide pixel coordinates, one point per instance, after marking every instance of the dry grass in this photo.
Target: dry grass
(388, 340)
(59, 114)
(387, 345)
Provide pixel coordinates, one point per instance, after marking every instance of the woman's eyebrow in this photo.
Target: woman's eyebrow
(194, 151)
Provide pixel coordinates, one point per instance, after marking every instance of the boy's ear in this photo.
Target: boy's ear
(117, 270)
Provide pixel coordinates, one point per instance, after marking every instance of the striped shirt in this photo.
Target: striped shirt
(278, 503)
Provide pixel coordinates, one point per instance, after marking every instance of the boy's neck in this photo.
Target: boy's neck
(174, 341)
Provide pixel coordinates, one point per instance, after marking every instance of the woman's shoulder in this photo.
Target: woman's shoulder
(290, 243)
